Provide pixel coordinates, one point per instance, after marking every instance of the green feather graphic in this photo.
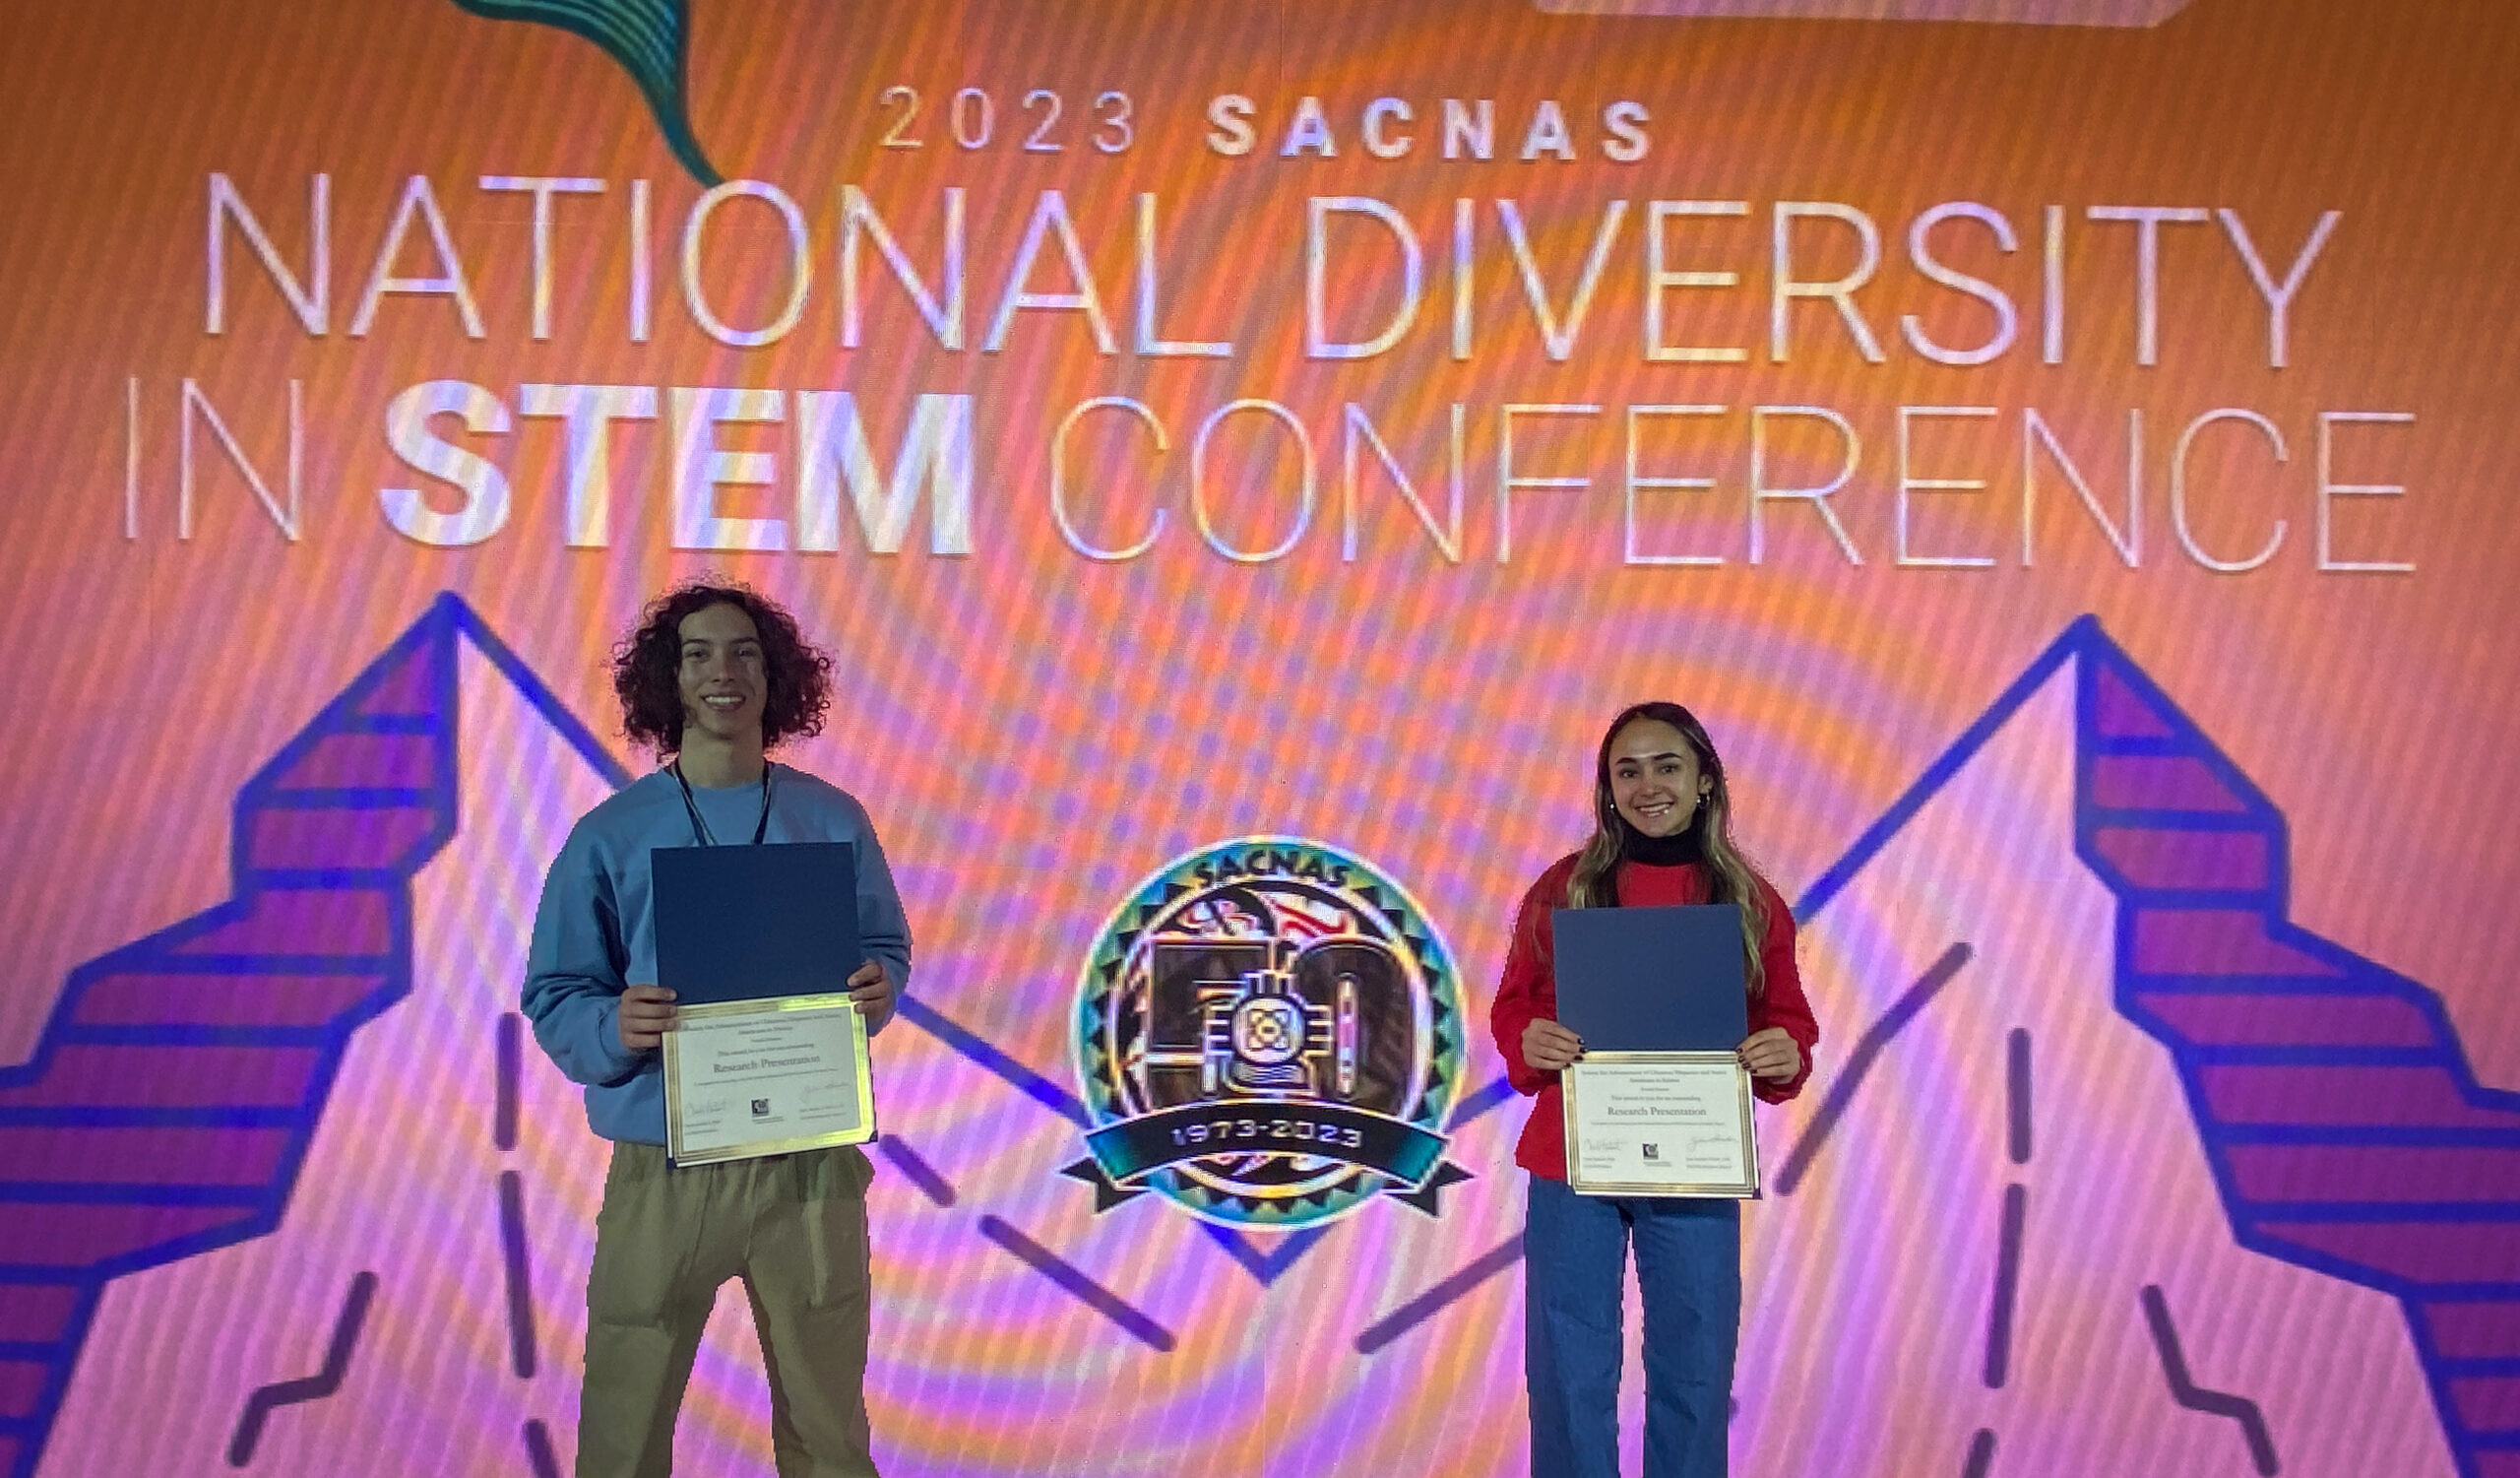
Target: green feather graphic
(650, 38)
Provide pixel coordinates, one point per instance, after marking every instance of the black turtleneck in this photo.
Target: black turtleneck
(1676, 849)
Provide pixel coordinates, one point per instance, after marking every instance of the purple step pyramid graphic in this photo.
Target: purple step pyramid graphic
(1992, 1004)
(169, 1105)
(2344, 1125)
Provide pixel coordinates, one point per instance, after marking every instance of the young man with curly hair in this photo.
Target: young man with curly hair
(713, 678)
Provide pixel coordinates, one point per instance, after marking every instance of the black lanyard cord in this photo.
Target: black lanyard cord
(700, 836)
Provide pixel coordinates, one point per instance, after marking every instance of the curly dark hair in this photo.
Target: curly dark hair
(648, 664)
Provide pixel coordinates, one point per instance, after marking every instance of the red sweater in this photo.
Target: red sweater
(1528, 992)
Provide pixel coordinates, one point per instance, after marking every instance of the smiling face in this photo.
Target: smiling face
(1656, 781)
(724, 681)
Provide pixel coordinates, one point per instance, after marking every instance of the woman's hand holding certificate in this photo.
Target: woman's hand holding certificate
(1772, 1054)
(1550, 1047)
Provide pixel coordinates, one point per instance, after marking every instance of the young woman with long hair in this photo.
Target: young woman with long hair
(1662, 834)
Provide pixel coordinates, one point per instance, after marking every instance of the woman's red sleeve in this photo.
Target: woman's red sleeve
(1529, 990)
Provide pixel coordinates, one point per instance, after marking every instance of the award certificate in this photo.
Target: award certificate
(766, 1077)
(1659, 1123)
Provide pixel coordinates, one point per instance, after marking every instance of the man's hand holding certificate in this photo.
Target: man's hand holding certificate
(770, 1001)
(1658, 1102)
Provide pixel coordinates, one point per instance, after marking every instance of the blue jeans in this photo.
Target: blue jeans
(1688, 1268)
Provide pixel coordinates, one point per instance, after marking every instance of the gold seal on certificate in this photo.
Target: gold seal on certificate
(1659, 1123)
(766, 1077)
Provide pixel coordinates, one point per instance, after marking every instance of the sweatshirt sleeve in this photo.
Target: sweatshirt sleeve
(1782, 1003)
(883, 929)
(1528, 990)
(573, 971)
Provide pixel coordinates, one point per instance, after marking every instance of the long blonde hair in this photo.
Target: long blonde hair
(1730, 877)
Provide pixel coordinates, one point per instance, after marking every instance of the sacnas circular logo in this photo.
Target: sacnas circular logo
(1269, 1033)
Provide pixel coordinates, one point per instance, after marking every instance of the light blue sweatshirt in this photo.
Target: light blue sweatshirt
(594, 931)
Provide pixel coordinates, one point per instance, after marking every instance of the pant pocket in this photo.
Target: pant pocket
(838, 1172)
(646, 1241)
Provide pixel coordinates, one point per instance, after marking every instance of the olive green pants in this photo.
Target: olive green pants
(793, 1228)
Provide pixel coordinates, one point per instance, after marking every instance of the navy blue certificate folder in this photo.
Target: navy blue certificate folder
(742, 922)
(1652, 979)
